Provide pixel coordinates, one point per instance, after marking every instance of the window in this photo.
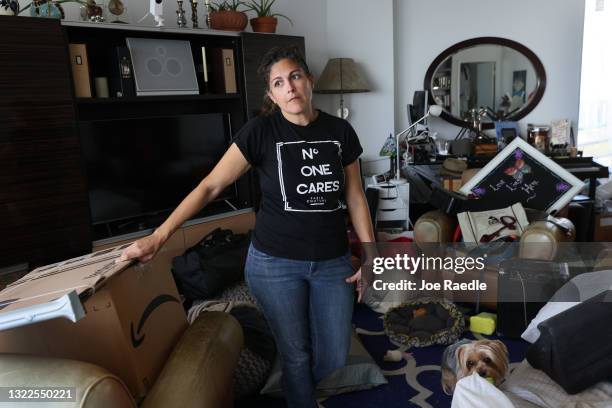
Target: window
(595, 117)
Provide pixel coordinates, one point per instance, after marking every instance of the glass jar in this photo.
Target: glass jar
(539, 137)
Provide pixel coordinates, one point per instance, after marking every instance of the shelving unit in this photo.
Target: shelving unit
(149, 29)
(441, 85)
(101, 42)
(103, 39)
(45, 206)
(156, 99)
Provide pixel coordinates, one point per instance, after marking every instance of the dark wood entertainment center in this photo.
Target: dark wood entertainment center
(44, 203)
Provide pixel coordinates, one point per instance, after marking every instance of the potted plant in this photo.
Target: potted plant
(227, 16)
(266, 21)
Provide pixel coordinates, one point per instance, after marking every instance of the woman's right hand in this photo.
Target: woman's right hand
(143, 249)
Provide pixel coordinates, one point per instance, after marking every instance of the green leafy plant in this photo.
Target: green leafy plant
(231, 5)
(263, 8)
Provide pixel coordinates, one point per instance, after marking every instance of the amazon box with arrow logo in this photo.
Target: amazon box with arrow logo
(123, 317)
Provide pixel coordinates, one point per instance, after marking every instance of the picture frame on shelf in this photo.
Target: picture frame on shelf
(561, 132)
(506, 132)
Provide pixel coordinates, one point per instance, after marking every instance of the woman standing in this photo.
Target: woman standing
(298, 265)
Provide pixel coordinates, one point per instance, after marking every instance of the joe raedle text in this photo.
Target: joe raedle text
(446, 284)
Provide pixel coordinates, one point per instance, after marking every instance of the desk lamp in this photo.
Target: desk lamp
(434, 110)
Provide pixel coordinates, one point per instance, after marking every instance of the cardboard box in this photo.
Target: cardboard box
(603, 228)
(125, 318)
(174, 246)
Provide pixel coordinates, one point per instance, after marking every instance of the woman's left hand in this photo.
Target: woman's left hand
(361, 284)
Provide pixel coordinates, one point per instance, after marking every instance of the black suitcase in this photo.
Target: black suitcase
(523, 288)
(575, 346)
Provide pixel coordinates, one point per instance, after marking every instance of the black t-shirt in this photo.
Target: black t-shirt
(301, 175)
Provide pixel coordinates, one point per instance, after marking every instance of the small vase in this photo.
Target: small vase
(9, 7)
(118, 9)
(93, 12)
(264, 24)
(46, 9)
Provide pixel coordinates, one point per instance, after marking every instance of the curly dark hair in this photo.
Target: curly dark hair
(269, 59)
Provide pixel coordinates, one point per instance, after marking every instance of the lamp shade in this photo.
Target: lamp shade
(341, 75)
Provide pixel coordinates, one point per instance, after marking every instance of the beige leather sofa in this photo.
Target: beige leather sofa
(198, 373)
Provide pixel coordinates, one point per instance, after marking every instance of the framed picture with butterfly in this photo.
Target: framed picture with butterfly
(520, 173)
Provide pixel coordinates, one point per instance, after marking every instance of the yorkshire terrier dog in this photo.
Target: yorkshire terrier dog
(487, 358)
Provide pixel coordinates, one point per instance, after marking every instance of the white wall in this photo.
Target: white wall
(310, 21)
(363, 30)
(550, 28)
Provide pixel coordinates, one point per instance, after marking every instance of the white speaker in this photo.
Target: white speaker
(162, 67)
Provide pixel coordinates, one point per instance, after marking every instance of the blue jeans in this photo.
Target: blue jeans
(309, 307)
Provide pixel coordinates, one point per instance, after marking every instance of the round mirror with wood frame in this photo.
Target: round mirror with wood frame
(500, 78)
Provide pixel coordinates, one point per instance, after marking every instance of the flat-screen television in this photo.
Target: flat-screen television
(139, 167)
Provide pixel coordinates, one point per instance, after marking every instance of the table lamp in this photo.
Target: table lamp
(341, 76)
(434, 110)
(388, 150)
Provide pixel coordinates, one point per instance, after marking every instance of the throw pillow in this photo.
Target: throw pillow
(359, 373)
(535, 387)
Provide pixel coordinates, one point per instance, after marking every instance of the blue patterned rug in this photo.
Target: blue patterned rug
(412, 383)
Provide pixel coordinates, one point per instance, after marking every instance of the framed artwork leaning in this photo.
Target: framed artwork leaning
(520, 173)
